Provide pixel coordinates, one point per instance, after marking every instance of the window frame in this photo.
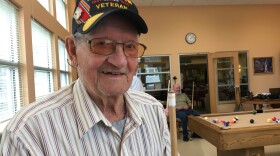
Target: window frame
(12, 86)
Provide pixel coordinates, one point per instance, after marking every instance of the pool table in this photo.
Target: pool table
(241, 138)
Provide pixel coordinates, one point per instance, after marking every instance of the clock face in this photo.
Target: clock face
(190, 38)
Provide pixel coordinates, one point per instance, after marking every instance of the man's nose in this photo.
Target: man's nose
(118, 57)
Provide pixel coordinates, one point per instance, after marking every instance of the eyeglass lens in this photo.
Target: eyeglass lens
(107, 47)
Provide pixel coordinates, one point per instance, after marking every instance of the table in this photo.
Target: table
(241, 138)
(259, 102)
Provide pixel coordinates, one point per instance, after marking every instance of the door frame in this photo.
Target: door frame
(214, 102)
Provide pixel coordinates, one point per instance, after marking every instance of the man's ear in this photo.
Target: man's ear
(71, 50)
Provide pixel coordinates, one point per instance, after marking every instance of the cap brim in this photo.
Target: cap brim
(96, 19)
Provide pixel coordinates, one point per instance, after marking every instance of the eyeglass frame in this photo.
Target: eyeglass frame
(89, 41)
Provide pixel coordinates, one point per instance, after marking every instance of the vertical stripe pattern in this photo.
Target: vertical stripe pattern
(68, 123)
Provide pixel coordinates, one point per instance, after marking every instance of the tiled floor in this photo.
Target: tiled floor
(201, 147)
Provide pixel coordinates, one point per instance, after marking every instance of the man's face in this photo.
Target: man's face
(107, 75)
(177, 89)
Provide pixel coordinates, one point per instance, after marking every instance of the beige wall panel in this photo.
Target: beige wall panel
(218, 28)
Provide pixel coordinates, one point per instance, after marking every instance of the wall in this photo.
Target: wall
(218, 28)
(252, 28)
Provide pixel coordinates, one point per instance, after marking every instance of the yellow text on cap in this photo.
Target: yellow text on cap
(90, 21)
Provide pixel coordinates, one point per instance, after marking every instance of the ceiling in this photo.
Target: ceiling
(201, 2)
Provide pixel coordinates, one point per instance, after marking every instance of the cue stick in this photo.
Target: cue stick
(192, 93)
(171, 102)
(166, 107)
(167, 92)
(168, 86)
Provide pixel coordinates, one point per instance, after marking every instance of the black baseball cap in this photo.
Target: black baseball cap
(88, 13)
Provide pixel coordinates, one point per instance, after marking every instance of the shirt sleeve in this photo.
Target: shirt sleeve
(166, 137)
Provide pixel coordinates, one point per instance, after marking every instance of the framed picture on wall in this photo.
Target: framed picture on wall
(263, 65)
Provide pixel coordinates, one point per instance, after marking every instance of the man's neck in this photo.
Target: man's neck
(113, 110)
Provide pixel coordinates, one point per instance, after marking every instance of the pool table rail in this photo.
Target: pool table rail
(236, 140)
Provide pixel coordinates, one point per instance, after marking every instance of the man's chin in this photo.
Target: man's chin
(113, 90)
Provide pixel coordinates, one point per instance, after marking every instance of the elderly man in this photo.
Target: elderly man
(183, 109)
(95, 115)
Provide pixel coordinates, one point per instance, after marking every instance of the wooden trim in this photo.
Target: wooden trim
(212, 76)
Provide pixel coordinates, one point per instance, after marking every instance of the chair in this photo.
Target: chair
(178, 125)
(179, 130)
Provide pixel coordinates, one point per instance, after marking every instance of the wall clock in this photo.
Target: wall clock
(190, 38)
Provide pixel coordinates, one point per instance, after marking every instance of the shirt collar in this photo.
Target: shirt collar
(133, 109)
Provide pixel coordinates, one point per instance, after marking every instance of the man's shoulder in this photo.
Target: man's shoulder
(181, 95)
(143, 98)
(54, 100)
(49, 103)
(144, 105)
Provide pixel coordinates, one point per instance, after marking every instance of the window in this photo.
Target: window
(10, 98)
(61, 12)
(64, 72)
(243, 73)
(154, 72)
(45, 4)
(42, 57)
(225, 78)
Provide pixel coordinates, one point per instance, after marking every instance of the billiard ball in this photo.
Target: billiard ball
(206, 118)
(269, 120)
(251, 120)
(254, 112)
(273, 118)
(226, 123)
(277, 121)
(236, 118)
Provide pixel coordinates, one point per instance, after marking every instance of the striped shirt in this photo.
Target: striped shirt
(68, 123)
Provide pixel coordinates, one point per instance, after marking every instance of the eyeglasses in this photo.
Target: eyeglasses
(103, 46)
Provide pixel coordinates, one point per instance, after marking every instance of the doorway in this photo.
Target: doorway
(215, 82)
(194, 80)
(228, 80)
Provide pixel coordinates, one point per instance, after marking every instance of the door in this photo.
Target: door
(224, 85)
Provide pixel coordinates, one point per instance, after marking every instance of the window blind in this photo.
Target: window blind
(10, 97)
(64, 72)
(42, 58)
(61, 12)
(43, 83)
